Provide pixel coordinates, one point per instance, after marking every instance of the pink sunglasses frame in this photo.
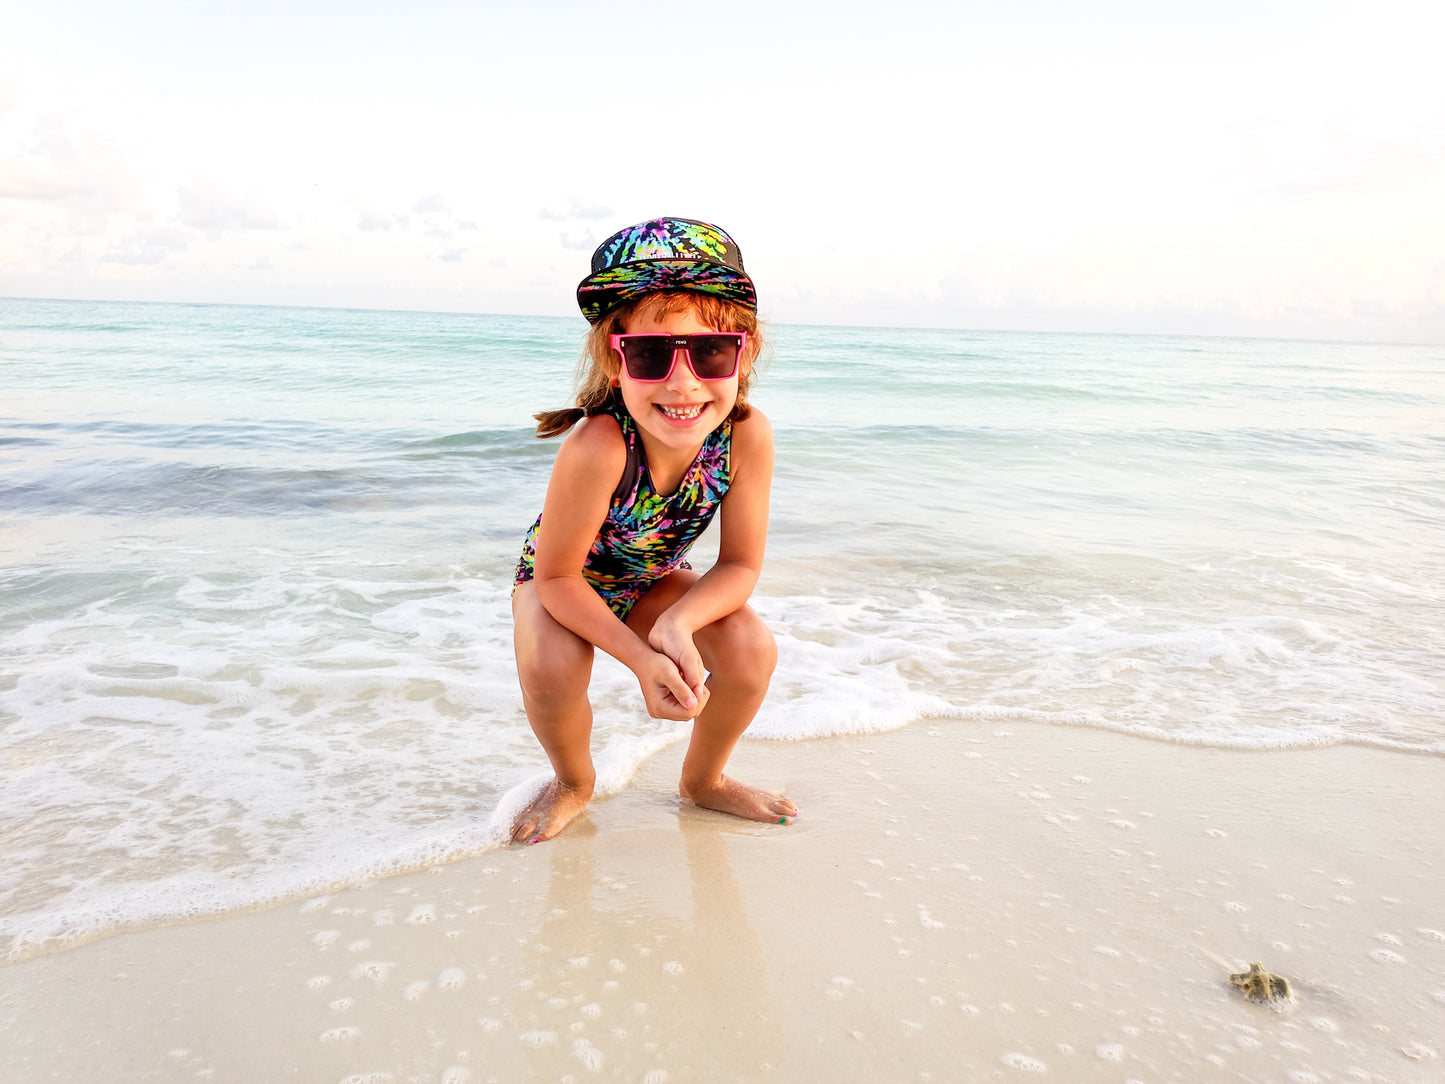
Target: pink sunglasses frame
(683, 343)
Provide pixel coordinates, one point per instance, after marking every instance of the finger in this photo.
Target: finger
(663, 703)
(681, 690)
(692, 669)
(684, 655)
(667, 707)
(689, 662)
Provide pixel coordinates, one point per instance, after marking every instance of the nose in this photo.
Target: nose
(682, 374)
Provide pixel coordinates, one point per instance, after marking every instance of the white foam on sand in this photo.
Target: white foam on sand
(283, 732)
(289, 733)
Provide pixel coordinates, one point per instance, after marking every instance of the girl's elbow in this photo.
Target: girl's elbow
(743, 568)
(552, 592)
(743, 576)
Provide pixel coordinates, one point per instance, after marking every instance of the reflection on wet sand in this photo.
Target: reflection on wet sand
(621, 952)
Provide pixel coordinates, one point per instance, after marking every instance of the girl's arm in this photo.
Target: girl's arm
(583, 477)
(727, 586)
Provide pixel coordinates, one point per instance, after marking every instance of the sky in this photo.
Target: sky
(1271, 167)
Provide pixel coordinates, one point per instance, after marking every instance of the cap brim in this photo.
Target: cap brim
(598, 294)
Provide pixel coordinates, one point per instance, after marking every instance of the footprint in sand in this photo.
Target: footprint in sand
(376, 971)
(1024, 1063)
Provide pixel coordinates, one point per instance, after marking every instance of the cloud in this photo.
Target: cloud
(205, 205)
(22, 181)
(11, 93)
(438, 219)
(1368, 168)
(434, 215)
(371, 221)
(51, 159)
(582, 242)
(149, 247)
(576, 210)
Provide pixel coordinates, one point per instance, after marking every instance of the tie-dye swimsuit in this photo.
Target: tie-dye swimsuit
(646, 536)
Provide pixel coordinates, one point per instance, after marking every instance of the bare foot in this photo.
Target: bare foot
(549, 812)
(739, 799)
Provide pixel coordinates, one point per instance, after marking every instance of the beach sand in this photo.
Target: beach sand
(960, 901)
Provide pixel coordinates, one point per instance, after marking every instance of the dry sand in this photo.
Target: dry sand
(959, 902)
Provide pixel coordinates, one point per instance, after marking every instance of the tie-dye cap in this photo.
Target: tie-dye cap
(664, 254)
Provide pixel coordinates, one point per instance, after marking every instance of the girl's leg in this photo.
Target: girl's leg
(554, 665)
(740, 654)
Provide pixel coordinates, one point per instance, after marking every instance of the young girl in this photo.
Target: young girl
(663, 439)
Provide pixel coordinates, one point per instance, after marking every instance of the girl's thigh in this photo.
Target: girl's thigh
(662, 595)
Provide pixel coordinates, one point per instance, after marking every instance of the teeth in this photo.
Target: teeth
(682, 413)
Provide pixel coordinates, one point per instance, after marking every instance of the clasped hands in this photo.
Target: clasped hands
(673, 678)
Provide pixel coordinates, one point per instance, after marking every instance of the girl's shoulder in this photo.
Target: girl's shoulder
(595, 445)
(754, 431)
(597, 432)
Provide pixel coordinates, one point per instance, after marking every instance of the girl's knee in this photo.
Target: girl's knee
(547, 683)
(745, 649)
(554, 671)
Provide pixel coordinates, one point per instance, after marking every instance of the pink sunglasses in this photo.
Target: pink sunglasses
(711, 355)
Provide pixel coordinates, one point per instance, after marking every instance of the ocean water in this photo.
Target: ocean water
(255, 562)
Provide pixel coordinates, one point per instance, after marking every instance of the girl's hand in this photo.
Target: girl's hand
(668, 696)
(674, 641)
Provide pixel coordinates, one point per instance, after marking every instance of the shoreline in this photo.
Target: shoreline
(958, 900)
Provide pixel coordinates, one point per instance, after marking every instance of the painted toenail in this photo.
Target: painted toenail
(782, 820)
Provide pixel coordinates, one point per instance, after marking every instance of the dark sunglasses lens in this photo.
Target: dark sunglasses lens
(647, 357)
(714, 357)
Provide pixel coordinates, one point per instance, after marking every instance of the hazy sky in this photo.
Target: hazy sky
(1266, 167)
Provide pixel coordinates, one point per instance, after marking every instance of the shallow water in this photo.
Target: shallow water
(254, 631)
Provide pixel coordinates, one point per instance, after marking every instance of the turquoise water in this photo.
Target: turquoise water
(254, 633)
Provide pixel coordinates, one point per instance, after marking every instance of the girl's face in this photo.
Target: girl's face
(682, 410)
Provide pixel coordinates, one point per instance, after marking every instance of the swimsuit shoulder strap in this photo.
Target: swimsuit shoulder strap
(633, 467)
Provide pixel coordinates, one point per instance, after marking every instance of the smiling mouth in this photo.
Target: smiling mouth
(682, 414)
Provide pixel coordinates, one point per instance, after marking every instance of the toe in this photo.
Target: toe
(528, 822)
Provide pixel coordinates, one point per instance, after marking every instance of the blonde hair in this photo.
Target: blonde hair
(600, 364)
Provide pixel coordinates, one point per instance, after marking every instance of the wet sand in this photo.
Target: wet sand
(959, 901)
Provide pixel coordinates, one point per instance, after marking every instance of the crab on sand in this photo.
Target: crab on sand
(1261, 985)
